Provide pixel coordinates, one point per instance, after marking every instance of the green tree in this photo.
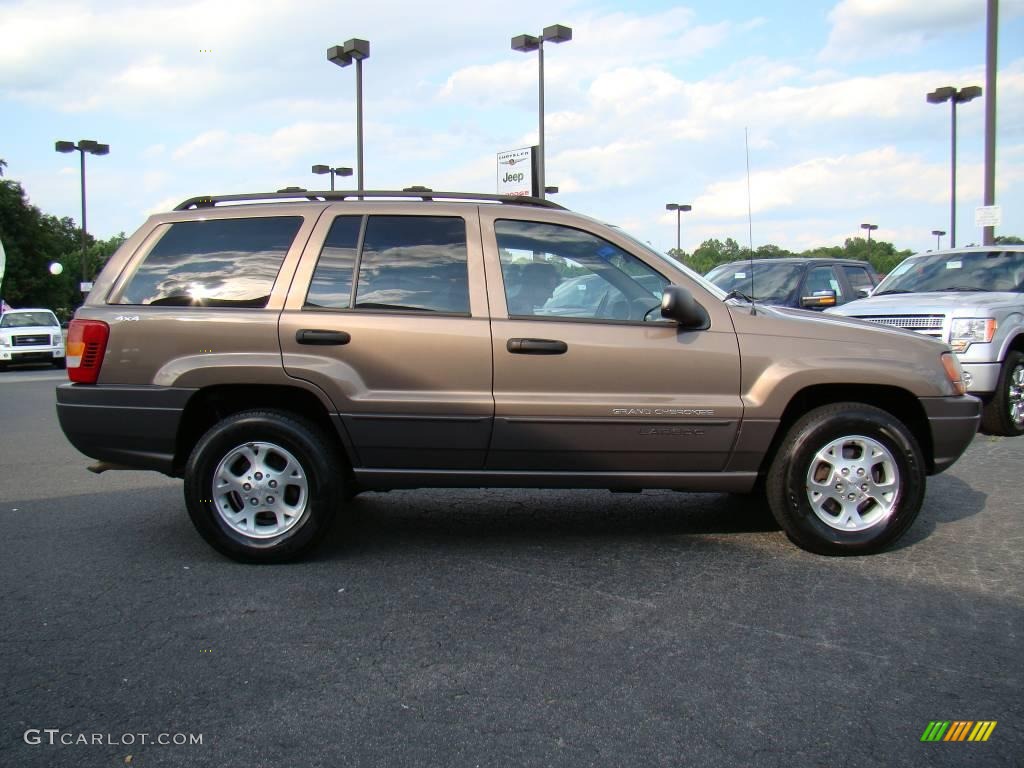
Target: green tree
(998, 240)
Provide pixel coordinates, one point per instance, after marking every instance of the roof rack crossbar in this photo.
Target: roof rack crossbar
(210, 201)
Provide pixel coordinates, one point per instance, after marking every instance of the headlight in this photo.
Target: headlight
(5, 341)
(971, 330)
(58, 338)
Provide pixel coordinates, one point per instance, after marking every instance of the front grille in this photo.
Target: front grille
(929, 324)
(35, 340)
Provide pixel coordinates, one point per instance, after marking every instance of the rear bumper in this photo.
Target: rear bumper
(953, 422)
(128, 425)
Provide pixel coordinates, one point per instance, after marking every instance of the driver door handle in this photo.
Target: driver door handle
(321, 337)
(537, 347)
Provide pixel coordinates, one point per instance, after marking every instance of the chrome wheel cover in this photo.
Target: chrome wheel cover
(1015, 396)
(260, 490)
(853, 484)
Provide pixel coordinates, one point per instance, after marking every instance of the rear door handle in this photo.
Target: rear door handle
(537, 347)
(322, 337)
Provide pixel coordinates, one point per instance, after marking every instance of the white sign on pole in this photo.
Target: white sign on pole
(988, 216)
(515, 172)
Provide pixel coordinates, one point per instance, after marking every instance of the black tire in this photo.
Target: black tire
(280, 433)
(788, 479)
(996, 418)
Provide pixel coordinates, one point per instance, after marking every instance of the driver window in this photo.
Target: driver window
(551, 271)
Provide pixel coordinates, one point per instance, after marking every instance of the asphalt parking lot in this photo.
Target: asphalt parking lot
(508, 628)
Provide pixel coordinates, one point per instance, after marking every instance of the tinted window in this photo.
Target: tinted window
(414, 262)
(859, 279)
(770, 281)
(972, 271)
(218, 263)
(821, 279)
(553, 271)
(332, 280)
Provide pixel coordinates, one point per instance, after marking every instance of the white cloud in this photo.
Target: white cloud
(862, 27)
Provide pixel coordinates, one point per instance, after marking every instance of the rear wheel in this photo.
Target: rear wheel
(263, 486)
(848, 479)
(1003, 414)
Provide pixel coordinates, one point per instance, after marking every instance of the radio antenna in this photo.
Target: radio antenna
(750, 221)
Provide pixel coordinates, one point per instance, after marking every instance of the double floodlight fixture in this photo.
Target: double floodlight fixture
(940, 95)
(84, 145)
(677, 207)
(556, 33)
(351, 50)
(341, 171)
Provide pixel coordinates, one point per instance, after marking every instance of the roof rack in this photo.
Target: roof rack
(423, 193)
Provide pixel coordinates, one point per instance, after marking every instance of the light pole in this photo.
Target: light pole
(954, 96)
(938, 238)
(556, 33)
(354, 50)
(678, 208)
(321, 169)
(93, 148)
(870, 228)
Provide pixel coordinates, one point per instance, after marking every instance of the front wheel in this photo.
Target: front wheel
(1004, 413)
(263, 486)
(848, 479)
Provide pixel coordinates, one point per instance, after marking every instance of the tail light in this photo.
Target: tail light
(87, 342)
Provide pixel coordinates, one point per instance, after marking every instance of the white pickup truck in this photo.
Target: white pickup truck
(31, 335)
(972, 299)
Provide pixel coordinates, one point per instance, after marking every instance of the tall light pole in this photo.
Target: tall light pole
(870, 228)
(556, 33)
(678, 208)
(954, 96)
(991, 43)
(938, 238)
(354, 50)
(341, 171)
(93, 148)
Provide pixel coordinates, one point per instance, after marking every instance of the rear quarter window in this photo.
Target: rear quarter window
(213, 263)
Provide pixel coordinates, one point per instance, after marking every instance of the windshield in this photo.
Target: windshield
(970, 271)
(709, 286)
(27, 319)
(770, 282)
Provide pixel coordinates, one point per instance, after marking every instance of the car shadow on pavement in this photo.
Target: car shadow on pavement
(947, 500)
(378, 521)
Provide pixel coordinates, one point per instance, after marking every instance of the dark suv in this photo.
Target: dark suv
(808, 283)
(285, 355)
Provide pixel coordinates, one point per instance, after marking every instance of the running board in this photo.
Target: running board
(715, 482)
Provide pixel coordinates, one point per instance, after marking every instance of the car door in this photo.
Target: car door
(600, 383)
(818, 281)
(388, 316)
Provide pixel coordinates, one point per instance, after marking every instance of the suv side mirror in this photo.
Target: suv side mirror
(819, 300)
(678, 304)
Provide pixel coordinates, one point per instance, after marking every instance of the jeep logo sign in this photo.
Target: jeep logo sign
(515, 172)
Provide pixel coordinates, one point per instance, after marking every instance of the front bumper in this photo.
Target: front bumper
(30, 354)
(953, 422)
(981, 378)
(135, 426)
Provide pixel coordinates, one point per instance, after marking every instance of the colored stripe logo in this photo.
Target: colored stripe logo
(958, 730)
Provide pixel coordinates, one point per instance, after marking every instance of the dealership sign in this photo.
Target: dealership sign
(515, 172)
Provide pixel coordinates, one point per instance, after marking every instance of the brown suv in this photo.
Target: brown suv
(285, 355)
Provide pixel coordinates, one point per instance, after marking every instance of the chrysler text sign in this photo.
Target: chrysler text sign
(515, 172)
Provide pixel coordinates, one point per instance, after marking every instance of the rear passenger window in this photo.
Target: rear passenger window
(414, 263)
(332, 281)
(217, 263)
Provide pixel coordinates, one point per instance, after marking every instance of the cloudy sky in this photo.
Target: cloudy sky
(646, 105)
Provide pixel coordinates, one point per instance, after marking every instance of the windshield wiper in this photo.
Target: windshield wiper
(895, 290)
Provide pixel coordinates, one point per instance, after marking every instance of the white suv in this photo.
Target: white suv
(31, 335)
